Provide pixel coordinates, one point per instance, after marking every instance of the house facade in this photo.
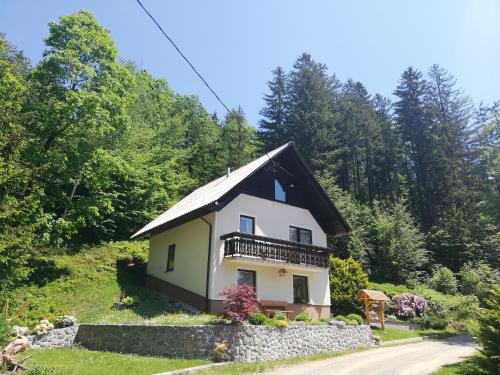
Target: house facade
(265, 224)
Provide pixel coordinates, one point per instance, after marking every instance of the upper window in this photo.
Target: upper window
(245, 277)
(247, 224)
(279, 192)
(300, 289)
(170, 258)
(301, 235)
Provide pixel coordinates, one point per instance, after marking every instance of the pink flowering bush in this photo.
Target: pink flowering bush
(239, 302)
(408, 305)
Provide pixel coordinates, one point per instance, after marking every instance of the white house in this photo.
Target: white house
(264, 224)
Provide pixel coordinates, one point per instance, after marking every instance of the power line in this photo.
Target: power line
(184, 57)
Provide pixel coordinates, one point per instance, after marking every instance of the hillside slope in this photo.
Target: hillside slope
(87, 283)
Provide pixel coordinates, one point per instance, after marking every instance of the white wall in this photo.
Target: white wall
(272, 219)
(191, 253)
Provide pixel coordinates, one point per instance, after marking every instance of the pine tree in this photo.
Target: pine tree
(413, 126)
(311, 118)
(273, 132)
(388, 159)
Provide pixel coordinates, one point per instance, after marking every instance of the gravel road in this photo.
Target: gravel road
(410, 359)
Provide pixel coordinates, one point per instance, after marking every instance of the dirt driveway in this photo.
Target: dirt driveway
(410, 359)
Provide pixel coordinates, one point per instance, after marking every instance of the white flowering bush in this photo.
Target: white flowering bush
(44, 327)
(19, 331)
(65, 321)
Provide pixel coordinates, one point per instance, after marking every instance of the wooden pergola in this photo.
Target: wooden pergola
(374, 300)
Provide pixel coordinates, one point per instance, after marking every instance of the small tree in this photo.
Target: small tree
(477, 279)
(239, 302)
(346, 279)
(443, 280)
(489, 331)
(399, 245)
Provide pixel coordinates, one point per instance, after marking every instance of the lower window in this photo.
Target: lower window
(245, 277)
(300, 289)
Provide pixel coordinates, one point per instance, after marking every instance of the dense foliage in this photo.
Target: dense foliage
(417, 179)
(5, 332)
(92, 148)
(346, 279)
(443, 280)
(489, 332)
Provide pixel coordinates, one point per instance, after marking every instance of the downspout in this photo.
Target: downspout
(207, 301)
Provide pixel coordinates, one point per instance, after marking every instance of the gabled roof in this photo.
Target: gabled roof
(211, 192)
(372, 295)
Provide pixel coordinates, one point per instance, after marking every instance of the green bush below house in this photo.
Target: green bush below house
(303, 317)
(257, 319)
(346, 320)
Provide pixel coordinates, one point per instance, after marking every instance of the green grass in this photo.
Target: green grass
(390, 334)
(468, 367)
(84, 362)
(87, 283)
(258, 367)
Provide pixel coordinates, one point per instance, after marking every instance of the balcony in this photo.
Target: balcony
(243, 245)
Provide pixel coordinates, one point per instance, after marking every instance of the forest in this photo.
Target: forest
(93, 147)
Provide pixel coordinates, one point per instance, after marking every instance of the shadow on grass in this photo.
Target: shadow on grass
(471, 366)
(46, 270)
(131, 279)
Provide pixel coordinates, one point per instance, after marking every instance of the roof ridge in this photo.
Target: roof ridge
(210, 192)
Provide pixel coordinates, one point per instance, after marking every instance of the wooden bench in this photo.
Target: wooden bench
(270, 308)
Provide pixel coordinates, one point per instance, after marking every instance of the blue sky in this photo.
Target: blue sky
(236, 44)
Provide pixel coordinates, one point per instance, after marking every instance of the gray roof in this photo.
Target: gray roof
(210, 192)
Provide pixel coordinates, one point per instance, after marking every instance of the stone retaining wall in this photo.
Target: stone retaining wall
(245, 343)
(57, 338)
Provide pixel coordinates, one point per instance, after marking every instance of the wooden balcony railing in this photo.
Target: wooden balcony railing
(250, 245)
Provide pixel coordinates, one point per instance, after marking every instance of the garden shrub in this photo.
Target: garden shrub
(303, 317)
(65, 321)
(356, 317)
(280, 316)
(408, 306)
(280, 323)
(489, 331)
(477, 279)
(347, 321)
(430, 323)
(346, 279)
(443, 280)
(220, 351)
(257, 319)
(5, 332)
(239, 303)
(439, 305)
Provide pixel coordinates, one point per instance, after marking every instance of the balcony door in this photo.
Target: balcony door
(301, 235)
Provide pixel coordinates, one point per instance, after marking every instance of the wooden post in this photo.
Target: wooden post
(381, 314)
(367, 311)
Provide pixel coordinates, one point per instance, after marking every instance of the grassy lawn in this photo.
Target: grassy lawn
(468, 367)
(397, 334)
(87, 283)
(258, 367)
(84, 362)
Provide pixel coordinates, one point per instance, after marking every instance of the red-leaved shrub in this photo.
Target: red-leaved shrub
(239, 302)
